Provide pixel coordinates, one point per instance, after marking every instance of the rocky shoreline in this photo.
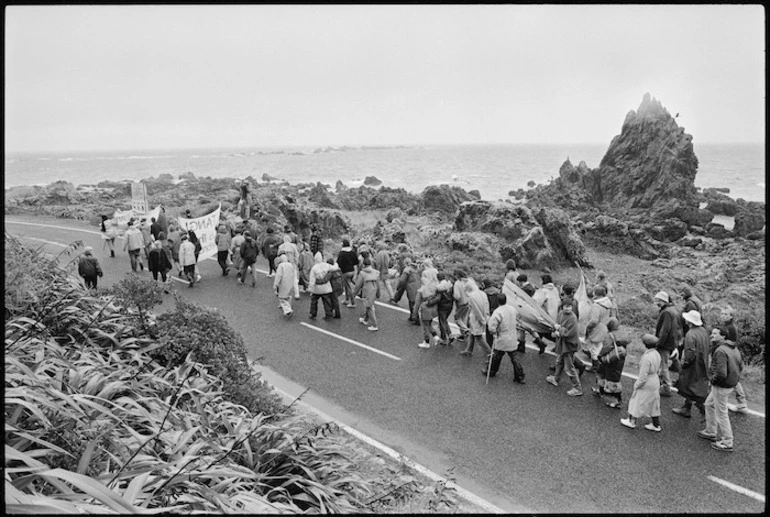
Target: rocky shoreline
(640, 202)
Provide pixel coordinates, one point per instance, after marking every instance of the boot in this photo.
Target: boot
(112, 253)
(684, 411)
(522, 347)
(539, 342)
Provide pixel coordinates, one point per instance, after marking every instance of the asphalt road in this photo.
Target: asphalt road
(522, 447)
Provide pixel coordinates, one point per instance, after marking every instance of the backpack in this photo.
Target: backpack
(326, 277)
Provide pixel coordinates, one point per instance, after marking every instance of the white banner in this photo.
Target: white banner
(121, 218)
(205, 229)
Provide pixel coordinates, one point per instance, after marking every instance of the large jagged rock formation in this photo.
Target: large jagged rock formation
(651, 162)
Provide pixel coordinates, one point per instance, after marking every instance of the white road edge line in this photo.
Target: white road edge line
(43, 240)
(738, 488)
(465, 494)
(350, 341)
(57, 227)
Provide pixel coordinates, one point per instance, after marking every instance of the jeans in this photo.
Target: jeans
(665, 376)
(443, 325)
(335, 305)
(189, 272)
(136, 259)
(462, 312)
(427, 329)
(497, 357)
(90, 281)
(717, 419)
(565, 363)
(388, 286)
(740, 395)
(369, 316)
(244, 268)
(347, 284)
(326, 299)
(478, 338)
(162, 275)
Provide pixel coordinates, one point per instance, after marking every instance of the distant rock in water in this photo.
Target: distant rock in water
(531, 183)
(446, 199)
(269, 178)
(339, 186)
(372, 181)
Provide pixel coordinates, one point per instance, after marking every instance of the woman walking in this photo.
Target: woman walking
(198, 247)
(187, 258)
(223, 240)
(645, 400)
(612, 358)
(157, 262)
(88, 267)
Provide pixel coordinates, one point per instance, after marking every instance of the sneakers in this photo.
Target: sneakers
(665, 392)
(613, 404)
(628, 423)
(484, 373)
(465, 352)
(436, 340)
(574, 392)
(423, 344)
(519, 381)
(288, 315)
(551, 380)
(350, 305)
(735, 408)
(362, 321)
(682, 411)
(372, 328)
(596, 391)
(652, 427)
(706, 436)
(722, 445)
(197, 278)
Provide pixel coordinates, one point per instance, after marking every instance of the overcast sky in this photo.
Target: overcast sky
(134, 77)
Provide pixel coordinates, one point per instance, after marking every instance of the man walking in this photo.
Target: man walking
(668, 331)
(693, 379)
(502, 325)
(724, 373)
(133, 242)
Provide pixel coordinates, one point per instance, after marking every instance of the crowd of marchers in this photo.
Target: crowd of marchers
(707, 360)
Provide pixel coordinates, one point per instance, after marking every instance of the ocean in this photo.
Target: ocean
(493, 170)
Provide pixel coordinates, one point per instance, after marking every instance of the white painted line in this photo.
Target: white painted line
(43, 240)
(465, 494)
(351, 341)
(57, 227)
(738, 488)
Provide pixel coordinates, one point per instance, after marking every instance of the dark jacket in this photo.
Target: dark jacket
(336, 281)
(492, 292)
(157, 260)
(669, 327)
(270, 245)
(347, 260)
(568, 340)
(249, 251)
(693, 379)
(89, 267)
(612, 370)
(726, 365)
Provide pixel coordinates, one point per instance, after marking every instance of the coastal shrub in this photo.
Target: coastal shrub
(212, 341)
(751, 334)
(138, 296)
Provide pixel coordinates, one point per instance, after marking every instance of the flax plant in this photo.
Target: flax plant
(93, 423)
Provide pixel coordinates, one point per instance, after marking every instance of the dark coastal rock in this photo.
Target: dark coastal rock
(694, 216)
(716, 190)
(187, 176)
(320, 195)
(747, 223)
(717, 231)
(668, 230)
(756, 236)
(536, 239)
(690, 242)
(339, 186)
(531, 183)
(268, 178)
(372, 181)
(722, 205)
(366, 198)
(444, 198)
(471, 242)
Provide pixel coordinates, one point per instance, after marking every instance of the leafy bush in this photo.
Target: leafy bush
(135, 292)
(206, 333)
(751, 334)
